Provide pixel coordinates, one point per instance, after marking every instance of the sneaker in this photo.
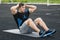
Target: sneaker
(41, 34)
(49, 32)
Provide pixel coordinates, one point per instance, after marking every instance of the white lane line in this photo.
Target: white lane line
(48, 13)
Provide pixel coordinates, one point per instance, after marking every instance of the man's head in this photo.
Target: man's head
(21, 7)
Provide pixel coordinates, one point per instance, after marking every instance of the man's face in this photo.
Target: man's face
(22, 8)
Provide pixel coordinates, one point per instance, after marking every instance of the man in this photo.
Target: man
(26, 24)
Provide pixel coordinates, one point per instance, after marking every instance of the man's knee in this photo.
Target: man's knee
(38, 19)
(28, 21)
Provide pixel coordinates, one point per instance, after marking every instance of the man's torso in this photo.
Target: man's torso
(21, 17)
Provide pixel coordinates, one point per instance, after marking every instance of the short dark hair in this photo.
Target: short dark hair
(21, 4)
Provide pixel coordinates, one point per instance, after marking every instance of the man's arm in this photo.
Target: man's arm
(32, 8)
(14, 9)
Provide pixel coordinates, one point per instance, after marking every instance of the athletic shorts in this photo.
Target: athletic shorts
(25, 28)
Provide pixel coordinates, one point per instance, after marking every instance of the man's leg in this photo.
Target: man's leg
(31, 24)
(47, 32)
(41, 23)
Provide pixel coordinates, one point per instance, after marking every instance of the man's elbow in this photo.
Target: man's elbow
(11, 8)
(35, 7)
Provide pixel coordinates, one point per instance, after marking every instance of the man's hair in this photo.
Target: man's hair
(21, 4)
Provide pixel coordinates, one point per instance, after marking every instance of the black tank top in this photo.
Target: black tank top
(21, 17)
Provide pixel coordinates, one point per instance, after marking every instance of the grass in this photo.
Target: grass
(54, 1)
(25, 1)
(32, 1)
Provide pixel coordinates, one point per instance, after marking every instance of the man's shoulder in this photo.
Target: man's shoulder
(27, 10)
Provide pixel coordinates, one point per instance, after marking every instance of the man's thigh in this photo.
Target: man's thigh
(24, 28)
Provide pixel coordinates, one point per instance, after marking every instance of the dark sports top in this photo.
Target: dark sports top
(21, 17)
